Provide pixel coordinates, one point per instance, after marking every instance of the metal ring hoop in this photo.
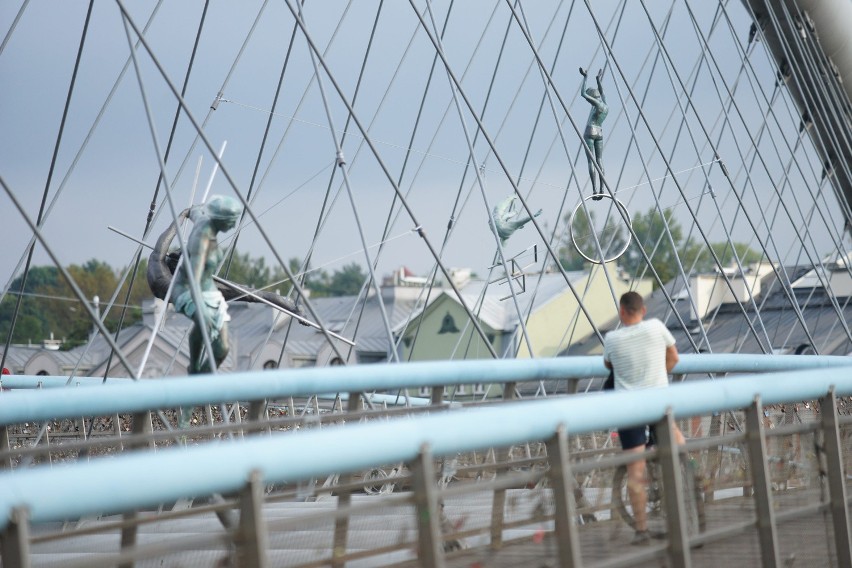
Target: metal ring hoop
(623, 209)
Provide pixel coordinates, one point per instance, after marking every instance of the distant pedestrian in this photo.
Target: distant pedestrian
(641, 354)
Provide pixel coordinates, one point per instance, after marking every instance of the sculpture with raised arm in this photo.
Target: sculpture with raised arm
(506, 220)
(593, 136)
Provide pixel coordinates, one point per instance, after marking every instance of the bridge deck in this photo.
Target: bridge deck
(803, 541)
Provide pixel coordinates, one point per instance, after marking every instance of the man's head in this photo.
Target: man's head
(631, 308)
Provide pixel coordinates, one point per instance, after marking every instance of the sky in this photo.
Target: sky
(104, 177)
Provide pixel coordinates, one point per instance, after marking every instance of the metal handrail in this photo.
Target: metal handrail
(124, 396)
(139, 480)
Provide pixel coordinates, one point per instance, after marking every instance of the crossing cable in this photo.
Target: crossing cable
(454, 89)
(588, 152)
(381, 164)
(814, 102)
(77, 156)
(14, 25)
(665, 223)
(844, 204)
(505, 168)
(707, 188)
(700, 122)
(770, 105)
(836, 100)
(451, 228)
(786, 178)
(284, 65)
(819, 140)
(451, 222)
(66, 275)
(148, 220)
(712, 193)
(606, 183)
(784, 207)
(738, 262)
(814, 68)
(194, 285)
(50, 171)
(341, 163)
(225, 173)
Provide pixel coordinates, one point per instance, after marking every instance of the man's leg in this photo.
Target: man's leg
(636, 490)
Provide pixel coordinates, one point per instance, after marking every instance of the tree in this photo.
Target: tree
(696, 254)
(344, 282)
(659, 246)
(610, 238)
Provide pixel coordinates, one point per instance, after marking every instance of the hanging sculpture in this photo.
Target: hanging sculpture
(220, 213)
(506, 219)
(593, 136)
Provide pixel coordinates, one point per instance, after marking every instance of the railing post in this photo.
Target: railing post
(141, 426)
(344, 501)
(257, 411)
(836, 478)
(562, 482)
(498, 506)
(430, 550)
(668, 453)
(5, 446)
(761, 484)
(437, 396)
(251, 538)
(15, 541)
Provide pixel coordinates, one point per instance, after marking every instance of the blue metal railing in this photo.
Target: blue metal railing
(139, 480)
(124, 395)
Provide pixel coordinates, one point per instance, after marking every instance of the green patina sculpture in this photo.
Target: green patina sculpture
(506, 219)
(593, 135)
(203, 255)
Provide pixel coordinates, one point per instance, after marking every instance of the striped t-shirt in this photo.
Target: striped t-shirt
(638, 354)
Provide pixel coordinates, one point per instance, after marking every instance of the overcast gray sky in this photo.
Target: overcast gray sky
(113, 181)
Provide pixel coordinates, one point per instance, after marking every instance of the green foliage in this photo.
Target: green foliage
(610, 238)
(49, 305)
(665, 251)
(344, 282)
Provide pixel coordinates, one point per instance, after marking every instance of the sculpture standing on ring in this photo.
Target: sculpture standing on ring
(593, 136)
(162, 265)
(506, 220)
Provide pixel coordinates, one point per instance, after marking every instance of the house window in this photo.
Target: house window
(425, 391)
(478, 388)
(461, 390)
(448, 325)
(270, 365)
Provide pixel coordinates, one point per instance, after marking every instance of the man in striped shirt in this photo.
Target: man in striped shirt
(641, 354)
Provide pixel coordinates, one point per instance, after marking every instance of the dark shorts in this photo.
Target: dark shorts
(632, 437)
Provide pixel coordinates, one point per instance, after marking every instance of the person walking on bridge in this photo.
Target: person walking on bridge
(641, 354)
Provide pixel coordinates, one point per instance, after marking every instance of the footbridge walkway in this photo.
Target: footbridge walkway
(267, 473)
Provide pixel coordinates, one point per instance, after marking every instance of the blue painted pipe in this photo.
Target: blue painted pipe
(137, 480)
(125, 395)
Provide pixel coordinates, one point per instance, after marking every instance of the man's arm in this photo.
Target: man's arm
(671, 358)
(607, 364)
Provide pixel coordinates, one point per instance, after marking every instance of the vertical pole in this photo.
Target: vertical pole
(437, 396)
(15, 549)
(258, 411)
(498, 506)
(5, 447)
(344, 502)
(767, 530)
(836, 478)
(429, 543)
(668, 453)
(142, 425)
(251, 538)
(562, 482)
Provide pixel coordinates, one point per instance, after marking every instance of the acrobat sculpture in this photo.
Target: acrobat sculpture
(593, 135)
(203, 256)
(506, 219)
